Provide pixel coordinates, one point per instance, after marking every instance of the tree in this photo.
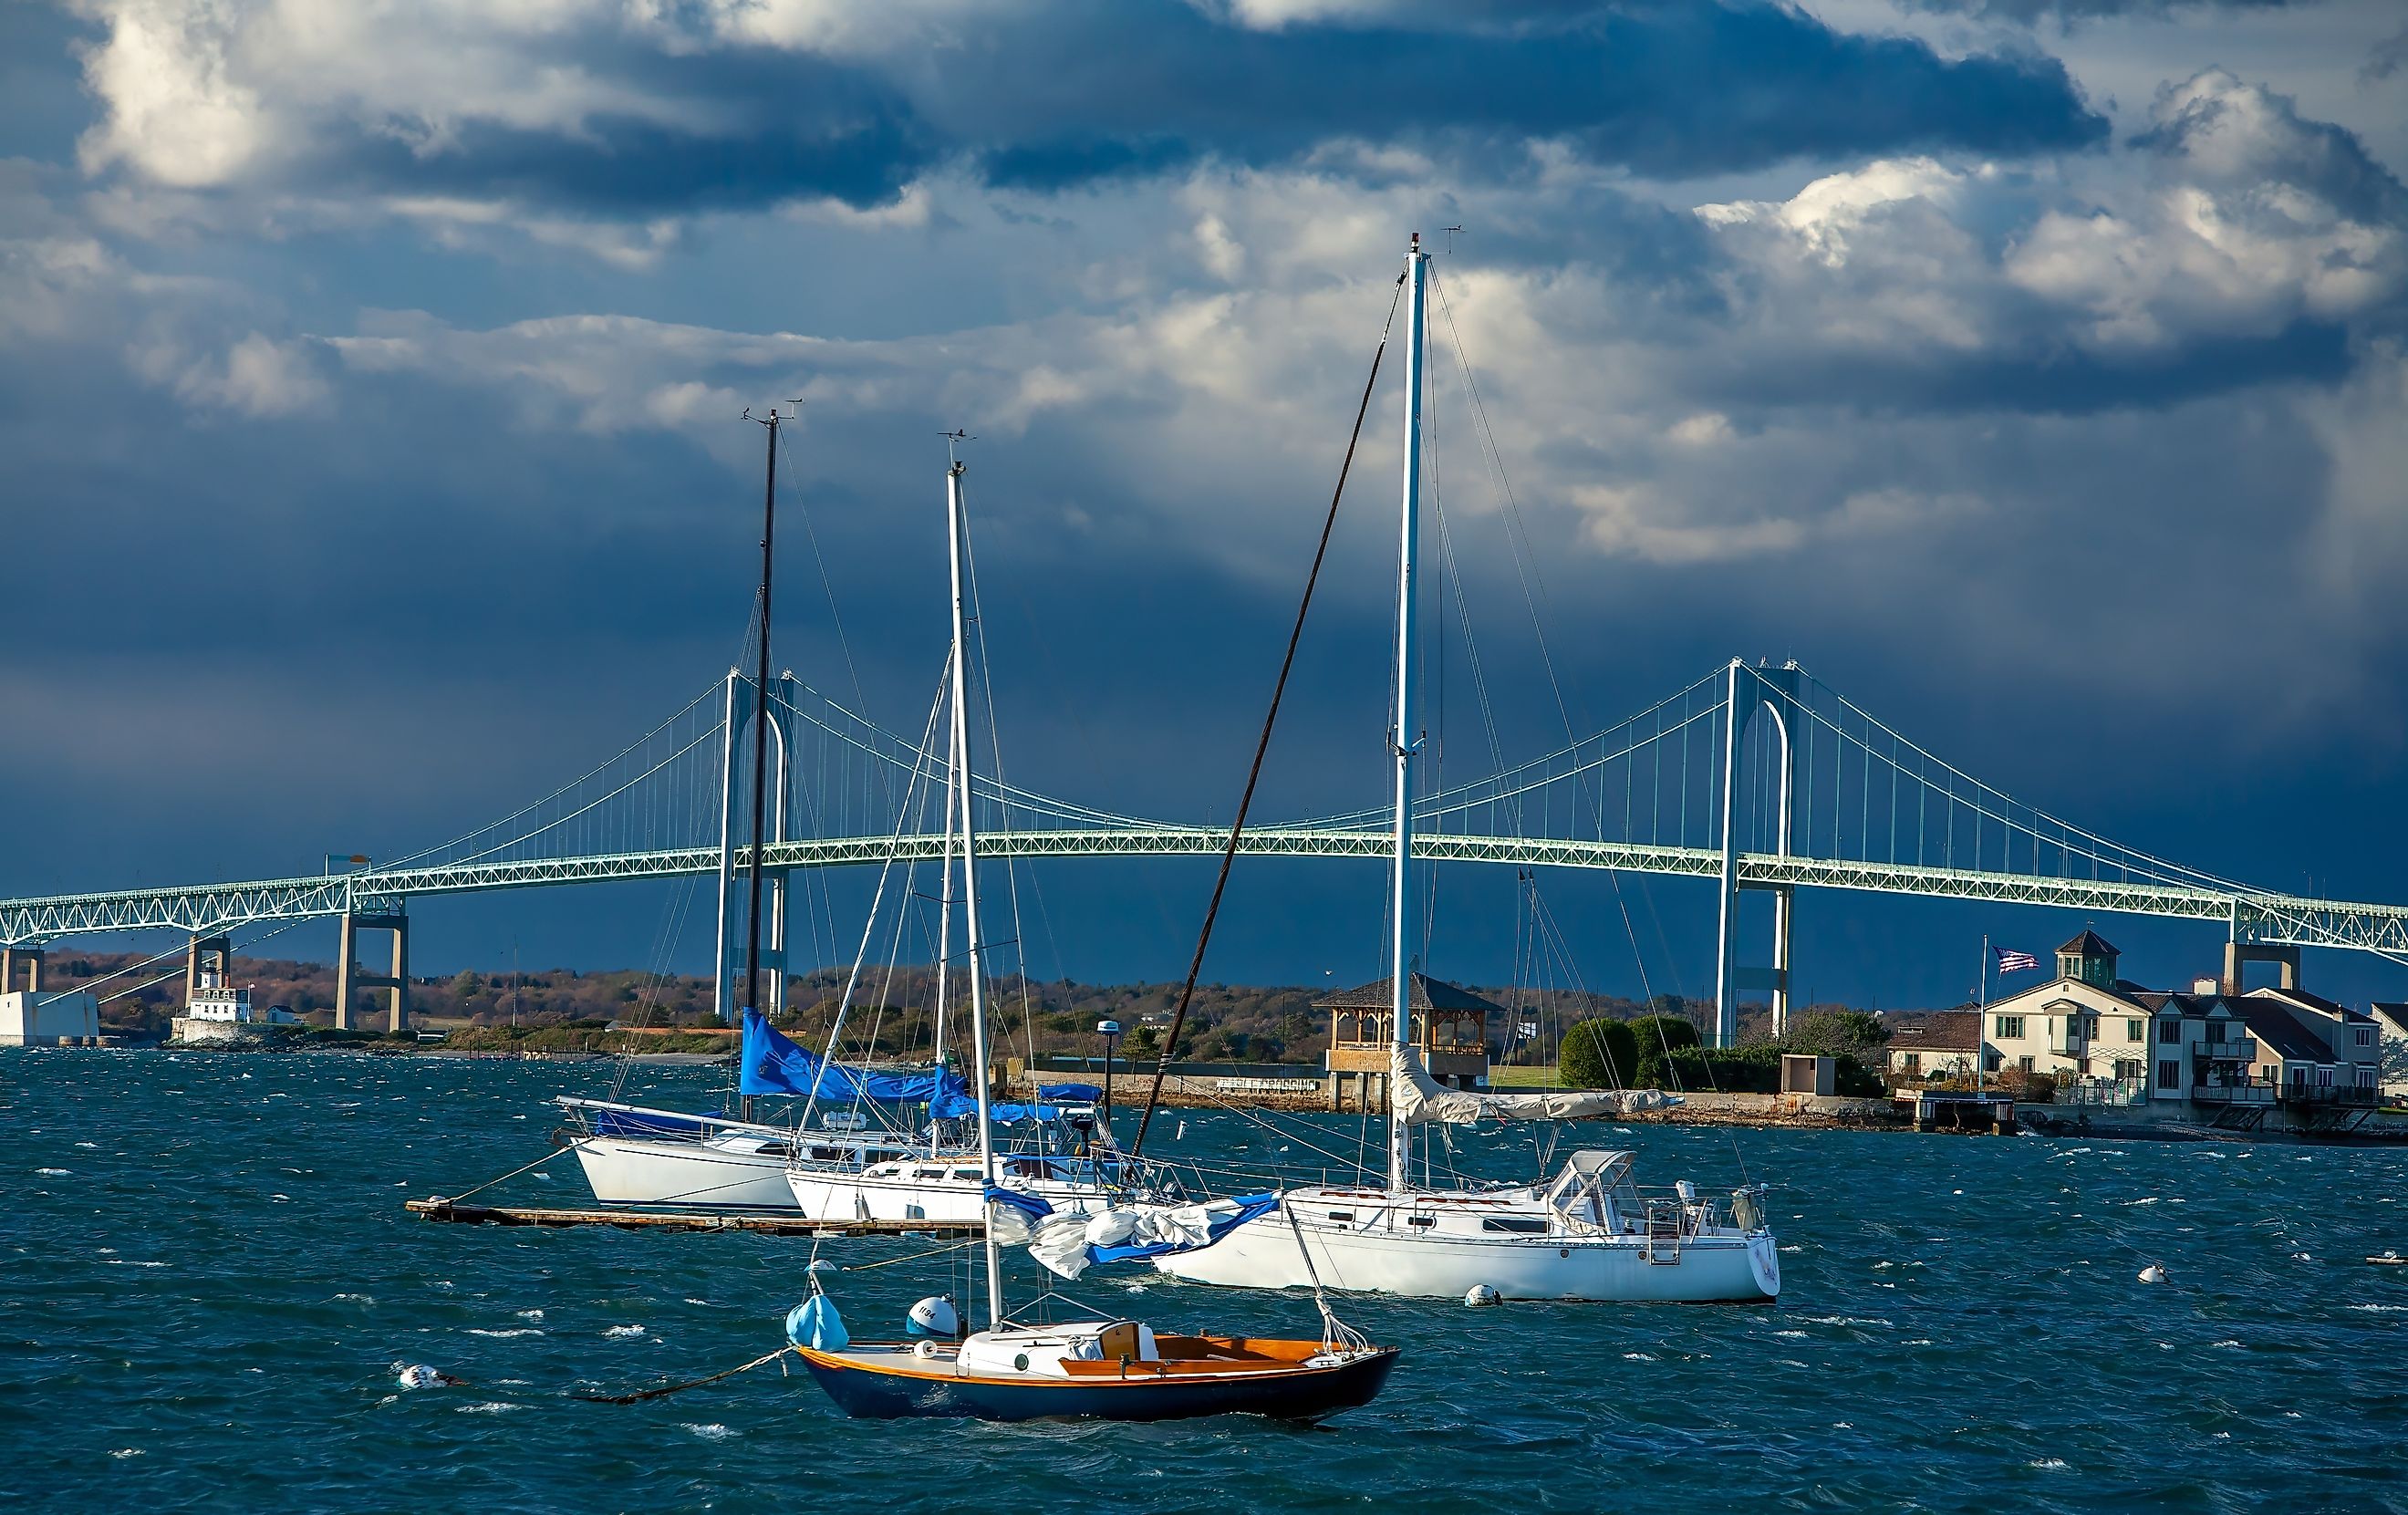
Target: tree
(1598, 1054)
(1660, 1033)
(466, 983)
(1837, 1033)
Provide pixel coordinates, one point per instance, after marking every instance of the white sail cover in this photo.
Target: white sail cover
(1421, 1100)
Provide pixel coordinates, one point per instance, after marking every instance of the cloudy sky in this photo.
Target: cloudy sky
(2032, 370)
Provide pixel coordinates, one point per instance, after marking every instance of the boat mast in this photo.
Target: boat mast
(761, 736)
(944, 911)
(960, 790)
(1401, 739)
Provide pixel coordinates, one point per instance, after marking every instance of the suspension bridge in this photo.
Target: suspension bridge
(1761, 778)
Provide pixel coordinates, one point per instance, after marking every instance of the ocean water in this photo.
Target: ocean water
(209, 1282)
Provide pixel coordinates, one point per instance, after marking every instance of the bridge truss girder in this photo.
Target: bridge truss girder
(2270, 919)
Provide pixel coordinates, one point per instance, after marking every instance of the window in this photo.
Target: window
(2025, 1062)
(1341, 1215)
(2170, 1031)
(2132, 1030)
(1915, 1061)
(1526, 1223)
(2366, 1035)
(2216, 1031)
(2090, 1025)
(2008, 1027)
(2170, 1075)
(2365, 1076)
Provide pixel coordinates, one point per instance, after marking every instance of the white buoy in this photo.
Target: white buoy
(2154, 1273)
(419, 1376)
(821, 1265)
(935, 1316)
(1481, 1294)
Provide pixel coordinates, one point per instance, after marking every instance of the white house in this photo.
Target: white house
(1939, 1045)
(2212, 1054)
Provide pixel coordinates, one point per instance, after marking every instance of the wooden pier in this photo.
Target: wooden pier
(770, 1221)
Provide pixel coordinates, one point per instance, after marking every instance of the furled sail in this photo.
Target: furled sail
(1421, 1100)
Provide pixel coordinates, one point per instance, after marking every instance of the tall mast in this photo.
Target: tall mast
(1402, 739)
(960, 788)
(761, 727)
(944, 912)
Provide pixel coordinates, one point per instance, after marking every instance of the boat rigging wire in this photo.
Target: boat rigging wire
(1262, 745)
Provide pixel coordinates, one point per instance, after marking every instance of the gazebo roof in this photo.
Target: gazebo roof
(2090, 944)
(1427, 994)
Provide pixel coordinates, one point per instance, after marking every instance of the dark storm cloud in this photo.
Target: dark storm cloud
(1079, 91)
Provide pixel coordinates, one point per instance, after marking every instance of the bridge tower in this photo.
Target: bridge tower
(1780, 693)
(743, 706)
(380, 915)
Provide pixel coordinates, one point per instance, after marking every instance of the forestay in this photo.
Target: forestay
(1421, 1100)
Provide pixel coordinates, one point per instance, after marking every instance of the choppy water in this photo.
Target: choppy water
(208, 1281)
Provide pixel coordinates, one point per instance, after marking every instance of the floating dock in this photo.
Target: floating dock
(769, 1222)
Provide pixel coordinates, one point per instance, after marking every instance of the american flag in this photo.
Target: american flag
(2013, 962)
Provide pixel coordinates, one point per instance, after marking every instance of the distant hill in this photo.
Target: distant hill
(891, 1016)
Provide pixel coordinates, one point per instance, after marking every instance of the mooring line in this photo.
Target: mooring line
(666, 1390)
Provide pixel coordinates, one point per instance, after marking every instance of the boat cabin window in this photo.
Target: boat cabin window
(1530, 1224)
(1421, 1219)
(927, 1173)
(1341, 1215)
(967, 1175)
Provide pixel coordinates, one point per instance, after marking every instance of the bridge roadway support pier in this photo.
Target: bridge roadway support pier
(31, 958)
(350, 982)
(207, 954)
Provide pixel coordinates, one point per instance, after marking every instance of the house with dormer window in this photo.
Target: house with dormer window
(2213, 1054)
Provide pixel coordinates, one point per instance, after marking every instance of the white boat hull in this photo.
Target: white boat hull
(625, 1170)
(827, 1196)
(1376, 1257)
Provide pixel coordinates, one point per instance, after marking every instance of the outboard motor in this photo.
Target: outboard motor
(935, 1316)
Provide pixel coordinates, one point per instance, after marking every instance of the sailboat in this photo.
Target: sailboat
(635, 1154)
(1117, 1369)
(1587, 1233)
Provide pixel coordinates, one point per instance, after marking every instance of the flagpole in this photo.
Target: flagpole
(1981, 1017)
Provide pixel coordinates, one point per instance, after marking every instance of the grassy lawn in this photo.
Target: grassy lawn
(1500, 1077)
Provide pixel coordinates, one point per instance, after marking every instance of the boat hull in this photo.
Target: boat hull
(825, 1196)
(1262, 1254)
(867, 1391)
(626, 1170)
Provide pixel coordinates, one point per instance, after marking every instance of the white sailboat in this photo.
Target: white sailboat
(1588, 1233)
(1063, 1155)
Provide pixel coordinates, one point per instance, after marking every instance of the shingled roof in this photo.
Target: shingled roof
(2091, 944)
(1941, 1031)
(1427, 994)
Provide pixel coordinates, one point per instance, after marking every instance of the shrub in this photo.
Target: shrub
(1598, 1054)
(1659, 1034)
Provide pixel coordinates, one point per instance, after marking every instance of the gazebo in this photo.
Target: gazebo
(1450, 1025)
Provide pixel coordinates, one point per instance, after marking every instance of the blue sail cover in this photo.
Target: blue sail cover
(1080, 1093)
(1007, 1114)
(773, 1065)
